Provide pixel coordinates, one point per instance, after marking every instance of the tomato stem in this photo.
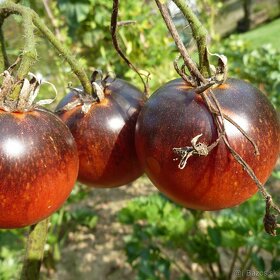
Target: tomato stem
(34, 251)
(65, 52)
(4, 62)
(29, 54)
(200, 35)
(114, 25)
(194, 71)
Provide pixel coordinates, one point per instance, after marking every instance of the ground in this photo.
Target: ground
(98, 254)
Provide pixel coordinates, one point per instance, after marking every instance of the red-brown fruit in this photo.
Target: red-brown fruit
(175, 114)
(105, 135)
(38, 166)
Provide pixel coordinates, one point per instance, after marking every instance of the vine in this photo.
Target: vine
(34, 251)
(114, 28)
(28, 55)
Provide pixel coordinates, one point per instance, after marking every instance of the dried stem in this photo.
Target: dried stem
(114, 28)
(235, 255)
(200, 35)
(197, 77)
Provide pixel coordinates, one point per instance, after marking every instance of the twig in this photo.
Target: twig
(200, 35)
(248, 137)
(211, 268)
(220, 268)
(183, 75)
(194, 71)
(245, 261)
(233, 263)
(29, 54)
(126, 22)
(114, 25)
(76, 67)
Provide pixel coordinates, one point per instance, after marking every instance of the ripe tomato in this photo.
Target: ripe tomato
(175, 114)
(38, 166)
(105, 135)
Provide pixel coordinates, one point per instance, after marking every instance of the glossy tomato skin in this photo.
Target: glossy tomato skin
(38, 166)
(175, 114)
(105, 136)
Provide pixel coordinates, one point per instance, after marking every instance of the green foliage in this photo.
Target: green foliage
(11, 252)
(155, 221)
(259, 65)
(263, 34)
(146, 43)
(209, 11)
(161, 230)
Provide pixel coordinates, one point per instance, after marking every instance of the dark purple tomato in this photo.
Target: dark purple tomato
(38, 166)
(105, 135)
(175, 114)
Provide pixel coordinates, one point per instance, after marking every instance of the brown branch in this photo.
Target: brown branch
(181, 72)
(200, 35)
(114, 28)
(235, 255)
(194, 71)
(248, 137)
(126, 22)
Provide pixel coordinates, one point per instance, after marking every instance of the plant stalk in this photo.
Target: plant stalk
(65, 52)
(194, 71)
(29, 54)
(34, 251)
(200, 35)
(114, 28)
(11, 7)
(4, 61)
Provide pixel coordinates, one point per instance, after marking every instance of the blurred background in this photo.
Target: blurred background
(134, 232)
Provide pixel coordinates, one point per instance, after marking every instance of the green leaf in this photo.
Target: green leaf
(258, 261)
(275, 265)
(215, 235)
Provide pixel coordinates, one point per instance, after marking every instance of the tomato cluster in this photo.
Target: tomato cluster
(110, 142)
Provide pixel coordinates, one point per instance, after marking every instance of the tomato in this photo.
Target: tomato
(105, 135)
(38, 166)
(175, 114)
